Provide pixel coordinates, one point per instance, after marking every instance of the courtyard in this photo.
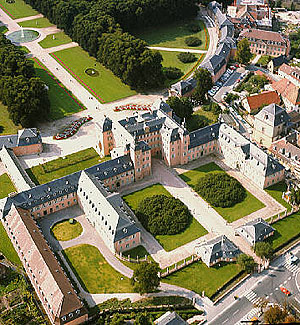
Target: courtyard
(66, 230)
(60, 167)
(168, 242)
(249, 205)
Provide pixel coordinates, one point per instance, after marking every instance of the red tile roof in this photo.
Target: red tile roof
(265, 98)
(287, 90)
(262, 35)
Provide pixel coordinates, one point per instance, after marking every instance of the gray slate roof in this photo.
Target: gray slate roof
(170, 318)
(273, 115)
(25, 137)
(204, 135)
(214, 64)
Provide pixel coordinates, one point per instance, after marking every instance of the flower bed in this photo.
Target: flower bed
(71, 129)
(133, 107)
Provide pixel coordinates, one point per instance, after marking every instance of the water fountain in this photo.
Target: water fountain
(23, 36)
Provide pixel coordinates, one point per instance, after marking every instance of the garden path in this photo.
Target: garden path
(169, 49)
(19, 20)
(61, 47)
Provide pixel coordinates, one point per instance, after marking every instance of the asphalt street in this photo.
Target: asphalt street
(267, 287)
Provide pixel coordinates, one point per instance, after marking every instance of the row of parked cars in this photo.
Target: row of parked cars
(227, 74)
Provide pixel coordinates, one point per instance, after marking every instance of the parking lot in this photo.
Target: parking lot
(227, 85)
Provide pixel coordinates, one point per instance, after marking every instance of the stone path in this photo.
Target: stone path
(19, 20)
(61, 47)
(171, 49)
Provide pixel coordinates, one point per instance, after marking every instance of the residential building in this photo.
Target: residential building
(59, 299)
(290, 73)
(287, 151)
(266, 42)
(170, 318)
(276, 63)
(183, 88)
(254, 163)
(255, 231)
(250, 14)
(216, 65)
(289, 92)
(25, 142)
(219, 249)
(254, 102)
(270, 124)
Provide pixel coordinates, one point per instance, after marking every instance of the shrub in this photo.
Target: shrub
(192, 41)
(172, 73)
(194, 28)
(220, 190)
(163, 215)
(186, 57)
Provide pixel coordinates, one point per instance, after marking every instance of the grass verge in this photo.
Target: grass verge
(61, 167)
(93, 272)
(106, 86)
(169, 242)
(6, 186)
(239, 210)
(7, 248)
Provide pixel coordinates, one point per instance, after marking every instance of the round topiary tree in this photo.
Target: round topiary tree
(192, 41)
(186, 57)
(220, 190)
(163, 215)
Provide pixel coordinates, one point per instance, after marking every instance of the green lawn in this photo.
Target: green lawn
(64, 230)
(6, 247)
(62, 101)
(276, 191)
(239, 210)
(18, 9)
(197, 120)
(286, 229)
(93, 272)
(172, 35)
(59, 39)
(139, 251)
(168, 242)
(6, 124)
(36, 23)
(6, 186)
(61, 167)
(198, 277)
(106, 87)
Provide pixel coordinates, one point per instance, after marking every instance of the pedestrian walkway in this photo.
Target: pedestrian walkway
(172, 49)
(253, 297)
(19, 20)
(291, 267)
(61, 47)
(253, 312)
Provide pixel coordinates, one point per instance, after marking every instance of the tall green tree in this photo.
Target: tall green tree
(183, 107)
(145, 278)
(142, 319)
(243, 54)
(204, 84)
(246, 262)
(263, 249)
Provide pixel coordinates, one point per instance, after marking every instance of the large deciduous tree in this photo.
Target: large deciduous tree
(204, 84)
(275, 315)
(145, 278)
(263, 250)
(183, 107)
(246, 262)
(243, 54)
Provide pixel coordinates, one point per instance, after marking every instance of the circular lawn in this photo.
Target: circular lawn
(64, 230)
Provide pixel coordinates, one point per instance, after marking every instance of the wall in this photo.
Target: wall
(128, 243)
(28, 150)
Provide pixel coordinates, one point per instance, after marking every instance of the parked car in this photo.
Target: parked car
(285, 291)
(232, 67)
